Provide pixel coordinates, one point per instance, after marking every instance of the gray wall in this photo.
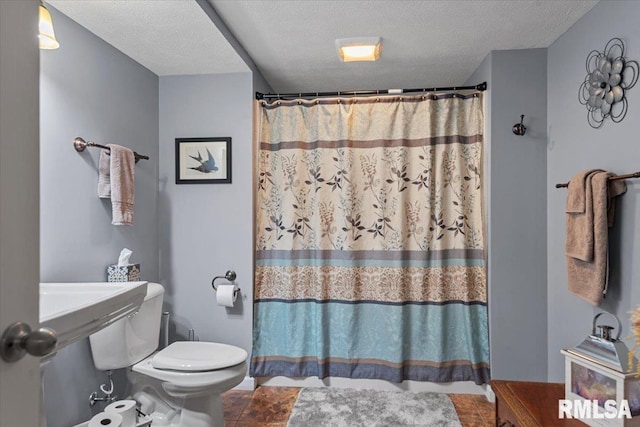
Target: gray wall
(206, 228)
(516, 212)
(574, 146)
(92, 90)
(89, 89)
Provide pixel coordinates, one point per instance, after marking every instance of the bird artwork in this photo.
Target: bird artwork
(206, 166)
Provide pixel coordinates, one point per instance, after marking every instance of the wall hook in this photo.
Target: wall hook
(519, 129)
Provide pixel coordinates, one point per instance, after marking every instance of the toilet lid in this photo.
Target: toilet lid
(198, 356)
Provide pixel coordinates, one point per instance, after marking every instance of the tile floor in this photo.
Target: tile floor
(271, 406)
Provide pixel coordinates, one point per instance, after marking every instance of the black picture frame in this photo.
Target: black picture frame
(203, 160)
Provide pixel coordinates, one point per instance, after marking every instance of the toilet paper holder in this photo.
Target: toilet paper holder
(230, 275)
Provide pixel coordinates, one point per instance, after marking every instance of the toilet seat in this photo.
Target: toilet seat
(197, 356)
(192, 382)
(195, 365)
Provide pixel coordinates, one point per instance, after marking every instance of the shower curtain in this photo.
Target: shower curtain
(370, 258)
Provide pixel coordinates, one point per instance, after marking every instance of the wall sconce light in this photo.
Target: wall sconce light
(359, 48)
(519, 129)
(46, 37)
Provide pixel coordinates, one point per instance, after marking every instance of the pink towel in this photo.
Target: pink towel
(121, 171)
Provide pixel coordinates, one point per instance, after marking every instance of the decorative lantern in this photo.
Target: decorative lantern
(602, 370)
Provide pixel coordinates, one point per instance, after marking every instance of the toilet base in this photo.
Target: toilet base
(202, 411)
(205, 411)
(171, 405)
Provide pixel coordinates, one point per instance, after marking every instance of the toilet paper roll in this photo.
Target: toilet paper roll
(226, 295)
(126, 409)
(107, 419)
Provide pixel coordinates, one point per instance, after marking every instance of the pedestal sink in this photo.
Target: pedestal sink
(77, 310)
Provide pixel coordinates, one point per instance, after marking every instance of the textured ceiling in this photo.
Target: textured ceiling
(425, 43)
(169, 37)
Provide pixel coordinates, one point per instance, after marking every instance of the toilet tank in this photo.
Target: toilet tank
(131, 339)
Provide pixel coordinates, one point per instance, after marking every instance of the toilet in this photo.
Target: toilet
(178, 386)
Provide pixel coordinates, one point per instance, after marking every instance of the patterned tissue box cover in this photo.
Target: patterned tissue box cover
(123, 273)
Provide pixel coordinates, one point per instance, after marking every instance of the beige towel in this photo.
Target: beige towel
(104, 178)
(122, 168)
(588, 279)
(576, 191)
(579, 241)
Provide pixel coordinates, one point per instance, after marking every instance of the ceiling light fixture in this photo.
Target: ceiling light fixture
(46, 37)
(359, 48)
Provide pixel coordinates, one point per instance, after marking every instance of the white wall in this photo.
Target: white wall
(574, 146)
(206, 229)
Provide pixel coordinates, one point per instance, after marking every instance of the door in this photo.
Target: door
(19, 203)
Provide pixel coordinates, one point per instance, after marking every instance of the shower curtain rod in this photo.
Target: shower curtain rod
(270, 96)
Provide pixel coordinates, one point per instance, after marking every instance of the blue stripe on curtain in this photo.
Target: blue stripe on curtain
(319, 258)
(396, 342)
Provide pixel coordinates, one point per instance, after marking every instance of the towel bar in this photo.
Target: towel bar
(613, 178)
(80, 144)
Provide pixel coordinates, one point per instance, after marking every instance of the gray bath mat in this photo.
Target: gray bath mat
(335, 407)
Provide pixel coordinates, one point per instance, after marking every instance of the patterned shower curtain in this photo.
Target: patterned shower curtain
(370, 258)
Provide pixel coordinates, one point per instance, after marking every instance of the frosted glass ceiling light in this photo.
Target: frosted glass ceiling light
(359, 48)
(46, 36)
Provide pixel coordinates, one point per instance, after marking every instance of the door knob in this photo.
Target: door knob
(19, 339)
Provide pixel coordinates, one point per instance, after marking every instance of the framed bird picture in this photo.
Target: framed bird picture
(203, 160)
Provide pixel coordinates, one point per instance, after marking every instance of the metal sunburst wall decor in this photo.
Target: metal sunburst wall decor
(609, 76)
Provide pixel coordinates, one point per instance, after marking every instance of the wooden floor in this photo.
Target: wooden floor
(271, 407)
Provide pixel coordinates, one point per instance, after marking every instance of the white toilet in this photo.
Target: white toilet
(179, 386)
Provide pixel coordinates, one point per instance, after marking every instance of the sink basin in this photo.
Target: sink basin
(77, 310)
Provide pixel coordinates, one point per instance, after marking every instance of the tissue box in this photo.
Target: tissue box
(123, 273)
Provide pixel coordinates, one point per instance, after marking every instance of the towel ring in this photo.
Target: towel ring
(230, 275)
